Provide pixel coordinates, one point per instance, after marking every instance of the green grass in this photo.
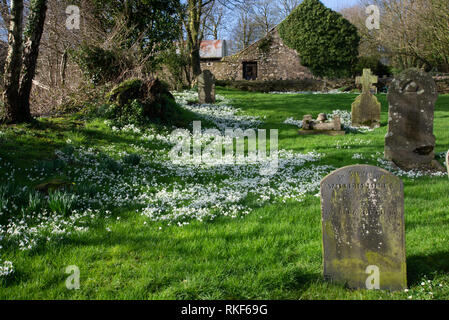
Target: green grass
(273, 253)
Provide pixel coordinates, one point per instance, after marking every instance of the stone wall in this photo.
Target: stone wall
(442, 84)
(275, 61)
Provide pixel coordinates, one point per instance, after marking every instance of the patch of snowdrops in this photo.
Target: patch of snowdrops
(412, 174)
(426, 290)
(153, 185)
(6, 268)
(221, 114)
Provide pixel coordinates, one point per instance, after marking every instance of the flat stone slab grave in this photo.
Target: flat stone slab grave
(363, 228)
(321, 126)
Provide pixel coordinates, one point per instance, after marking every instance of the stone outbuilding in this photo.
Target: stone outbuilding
(266, 59)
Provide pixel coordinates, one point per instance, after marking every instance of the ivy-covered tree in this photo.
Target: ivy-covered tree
(23, 51)
(150, 25)
(326, 42)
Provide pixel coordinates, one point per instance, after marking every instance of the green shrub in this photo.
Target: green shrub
(175, 63)
(130, 113)
(373, 63)
(99, 65)
(126, 106)
(326, 42)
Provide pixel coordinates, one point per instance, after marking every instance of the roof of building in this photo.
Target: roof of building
(255, 42)
(211, 49)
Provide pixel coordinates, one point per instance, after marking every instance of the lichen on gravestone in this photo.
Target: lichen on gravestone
(365, 110)
(410, 142)
(363, 228)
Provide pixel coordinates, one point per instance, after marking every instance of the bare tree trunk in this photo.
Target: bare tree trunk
(31, 52)
(13, 65)
(193, 29)
(21, 62)
(196, 62)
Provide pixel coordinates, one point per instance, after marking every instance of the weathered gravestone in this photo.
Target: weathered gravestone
(363, 228)
(410, 142)
(206, 87)
(366, 109)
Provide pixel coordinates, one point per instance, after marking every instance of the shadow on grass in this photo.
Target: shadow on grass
(420, 265)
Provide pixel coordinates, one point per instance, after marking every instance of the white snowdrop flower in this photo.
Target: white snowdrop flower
(357, 156)
(298, 123)
(6, 268)
(201, 192)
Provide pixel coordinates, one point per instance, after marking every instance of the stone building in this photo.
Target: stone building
(266, 59)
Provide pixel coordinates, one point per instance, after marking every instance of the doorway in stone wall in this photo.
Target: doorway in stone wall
(250, 70)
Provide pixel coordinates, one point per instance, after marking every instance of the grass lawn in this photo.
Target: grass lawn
(243, 249)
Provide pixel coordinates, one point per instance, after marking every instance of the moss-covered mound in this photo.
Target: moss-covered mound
(136, 101)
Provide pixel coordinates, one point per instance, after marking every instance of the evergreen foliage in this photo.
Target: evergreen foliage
(326, 42)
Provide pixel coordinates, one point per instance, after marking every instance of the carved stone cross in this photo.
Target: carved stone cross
(366, 80)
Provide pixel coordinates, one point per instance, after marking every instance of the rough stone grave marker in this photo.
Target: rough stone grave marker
(206, 87)
(410, 142)
(321, 125)
(363, 228)
(366, 109)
